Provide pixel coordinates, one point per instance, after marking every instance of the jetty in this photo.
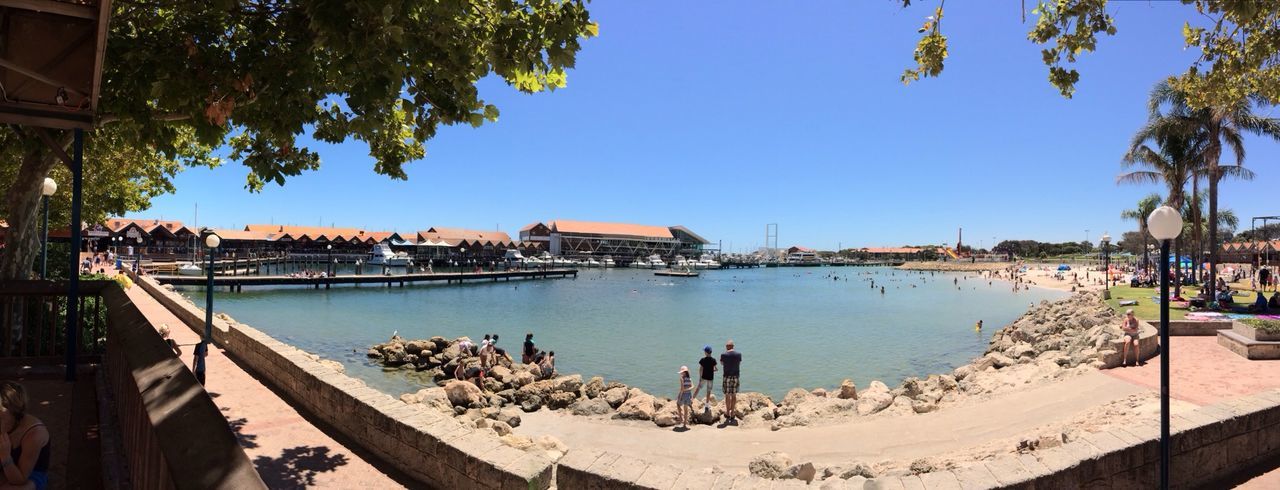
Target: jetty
(674, 273)
(237, 283)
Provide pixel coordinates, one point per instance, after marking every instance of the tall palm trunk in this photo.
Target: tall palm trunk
(1146, 253)
(1212, 153)
(1196, 230)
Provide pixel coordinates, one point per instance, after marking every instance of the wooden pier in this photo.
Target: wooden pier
(237, 283)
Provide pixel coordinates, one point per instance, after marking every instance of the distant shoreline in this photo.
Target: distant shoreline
(955, 266)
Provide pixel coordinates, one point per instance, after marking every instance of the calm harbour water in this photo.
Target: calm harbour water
(796, 327)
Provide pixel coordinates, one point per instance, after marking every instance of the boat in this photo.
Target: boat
(639, 263)
(382, 255)
(681, 263)
(591, 263)
(707, 262)
(608, 262)
(803, 259)
(189, 269)
(655, 262)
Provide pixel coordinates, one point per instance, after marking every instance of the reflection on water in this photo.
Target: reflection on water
(804, 327)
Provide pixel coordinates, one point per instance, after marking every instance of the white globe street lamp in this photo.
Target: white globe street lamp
(211, 241)
(47, 189)
(1165, 224)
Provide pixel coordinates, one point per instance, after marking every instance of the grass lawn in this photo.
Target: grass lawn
(1147, 308)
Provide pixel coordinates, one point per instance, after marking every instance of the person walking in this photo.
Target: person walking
(706, 374)
(684, 399)
(731, 360)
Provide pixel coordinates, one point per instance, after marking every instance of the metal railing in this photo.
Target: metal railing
(33, 319)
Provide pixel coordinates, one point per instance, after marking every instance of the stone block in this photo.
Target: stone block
(912, 482)
(975, 476)
(1008, 470)
(530, 471)
(473, 446)
(1057, 459)
(1113, 452)
(571, 470)
(1033, 466)
(1087, 455)
(1242, 449)
(940, 480)
(694, 479)
(730, 481)
(601, 464)
(625, 470)
(659, 476)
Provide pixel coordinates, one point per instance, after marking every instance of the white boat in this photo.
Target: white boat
(382, 255)
(189, 269)
(707, 262)
(680, 263)
(639, 263)
(591, 263)
(655, 262)
(533, 262)
(608, 262)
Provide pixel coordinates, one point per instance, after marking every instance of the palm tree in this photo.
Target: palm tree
(1173, 162)
(1217, 127)
(1145, 206)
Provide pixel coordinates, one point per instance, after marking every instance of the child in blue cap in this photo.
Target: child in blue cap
(707, 373)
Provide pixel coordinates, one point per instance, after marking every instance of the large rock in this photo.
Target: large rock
(858, 469)
(804, 471)
(615, 396)
(999, 361)
(848, 391)
(501, 373)
(637, 407)
(560, 400)
(509, 416)
(796, 396)
(465, 394)
(593, 388)
(531, 404)
(666, 416)
(395, 355)
(521, 379)
(590, 406)
(545, 388)
(752, 402)
(416, 347)
(770, 465)
(874, 399)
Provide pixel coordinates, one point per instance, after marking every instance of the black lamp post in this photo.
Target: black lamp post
(1106, 265)
(329, 264)
(211, 241)
(1164, 224)
(46, 190)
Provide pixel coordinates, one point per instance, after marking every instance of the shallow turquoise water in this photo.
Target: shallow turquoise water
(794, 326)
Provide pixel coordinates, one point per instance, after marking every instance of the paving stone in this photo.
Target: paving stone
(625, 469)
(696, 479)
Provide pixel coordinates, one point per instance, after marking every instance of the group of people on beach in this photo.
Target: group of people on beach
(730, 361)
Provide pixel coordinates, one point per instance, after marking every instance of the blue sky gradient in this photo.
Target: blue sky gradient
(727, 115)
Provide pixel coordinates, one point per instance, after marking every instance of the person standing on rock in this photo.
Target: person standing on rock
(527, 354)
(1130, 328)
(706, 374)
(731, 360)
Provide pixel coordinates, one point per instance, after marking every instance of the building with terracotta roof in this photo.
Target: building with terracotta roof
(619, 240)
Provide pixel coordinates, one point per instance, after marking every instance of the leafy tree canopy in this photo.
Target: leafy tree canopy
(1239, 55)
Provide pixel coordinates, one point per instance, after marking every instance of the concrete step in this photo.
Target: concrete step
(1247, 347)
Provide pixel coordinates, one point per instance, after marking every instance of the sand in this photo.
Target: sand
(963, 431)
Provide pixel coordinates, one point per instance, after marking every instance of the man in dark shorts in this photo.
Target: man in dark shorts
(474, 373)
(707, 370)
(731, 360)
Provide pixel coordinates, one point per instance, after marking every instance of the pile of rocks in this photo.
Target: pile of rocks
(1070, 332)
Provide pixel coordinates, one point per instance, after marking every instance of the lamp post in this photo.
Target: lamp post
(1106, 265)
(1164, 224)
(46, 190)
(211, 241)
(329, 264)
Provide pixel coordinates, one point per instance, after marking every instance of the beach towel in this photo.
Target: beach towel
(1129, 302)
(1237, 316)
(1205, 316)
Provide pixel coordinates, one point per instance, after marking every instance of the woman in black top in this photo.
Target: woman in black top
(529, 350)
(24, 441)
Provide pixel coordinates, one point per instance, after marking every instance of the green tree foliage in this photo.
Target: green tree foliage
(1034, 249)
(183, 77)
(1139, 214)
(1236, 39)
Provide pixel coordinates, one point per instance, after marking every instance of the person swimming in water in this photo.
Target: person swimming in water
(978, 326)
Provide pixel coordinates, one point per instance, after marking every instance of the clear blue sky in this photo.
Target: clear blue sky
(727, 115)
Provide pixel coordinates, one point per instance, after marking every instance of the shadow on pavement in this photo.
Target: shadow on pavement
(297, 467)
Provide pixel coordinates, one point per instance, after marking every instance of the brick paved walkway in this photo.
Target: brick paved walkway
(288, 450)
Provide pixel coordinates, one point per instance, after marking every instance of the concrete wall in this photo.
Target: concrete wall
(1192, 328)
(427, 445)
(1210, 444)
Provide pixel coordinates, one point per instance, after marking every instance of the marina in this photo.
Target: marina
(237, 283)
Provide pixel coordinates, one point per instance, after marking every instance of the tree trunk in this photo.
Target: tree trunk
(1146, 254)
(1197, 234)
(22, 242)
(1177, 265)
(1214, 151)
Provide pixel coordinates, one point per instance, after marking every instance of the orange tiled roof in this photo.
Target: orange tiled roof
(463, 234)
(245, 235)
(616, 229)
(147, 225)
(309, 232)
(531, 226)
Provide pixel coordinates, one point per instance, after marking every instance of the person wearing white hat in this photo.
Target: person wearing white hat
(684, 400)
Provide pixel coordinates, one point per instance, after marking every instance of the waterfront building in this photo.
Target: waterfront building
(620, 240)
(440, 242)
